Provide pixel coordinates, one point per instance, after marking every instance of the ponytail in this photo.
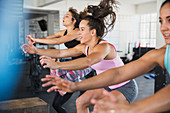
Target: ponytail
(97, 16)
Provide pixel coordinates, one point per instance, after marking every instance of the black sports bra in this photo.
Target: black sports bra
(71, 44)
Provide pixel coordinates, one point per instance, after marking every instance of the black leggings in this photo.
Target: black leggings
(59, 101)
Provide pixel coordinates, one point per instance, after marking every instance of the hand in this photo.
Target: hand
(29, 48)
(57, 83)
(30, 39)
(48, 62)
(62, 93)
(110, 104)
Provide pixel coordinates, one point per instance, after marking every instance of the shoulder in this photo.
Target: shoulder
(157, 52)
(61, 32)
(105, 44)
(155, 56)
(75, 31)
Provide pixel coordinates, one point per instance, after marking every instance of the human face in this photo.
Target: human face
(84, 32)
(165, 22)
(67, 19)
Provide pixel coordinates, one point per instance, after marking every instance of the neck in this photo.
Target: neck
(93, 42)
(70, 28)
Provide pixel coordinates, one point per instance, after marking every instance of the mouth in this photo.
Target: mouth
(166, 36)
(80, 37)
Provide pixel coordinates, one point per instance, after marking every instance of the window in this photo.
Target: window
(148, 30)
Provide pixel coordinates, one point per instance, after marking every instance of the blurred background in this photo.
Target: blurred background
(136, 32)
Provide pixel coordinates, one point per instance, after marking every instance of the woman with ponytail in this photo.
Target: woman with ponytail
(100, 55)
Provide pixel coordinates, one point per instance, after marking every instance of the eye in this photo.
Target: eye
(82, 29)
(168, 20)
(160, 21)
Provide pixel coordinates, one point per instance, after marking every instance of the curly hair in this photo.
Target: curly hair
(97, 16)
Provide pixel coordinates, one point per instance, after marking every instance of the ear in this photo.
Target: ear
(93, 32)
(74, 21)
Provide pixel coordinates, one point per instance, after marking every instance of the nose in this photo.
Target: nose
(79, 33)
(164, 26)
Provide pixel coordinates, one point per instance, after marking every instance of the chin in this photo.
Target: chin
(167, 42)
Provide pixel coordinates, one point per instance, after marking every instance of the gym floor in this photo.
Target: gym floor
(25, 89)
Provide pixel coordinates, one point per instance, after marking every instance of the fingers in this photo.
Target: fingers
(25, 47)
(53, 88)
(110, 96)
(45, 63)
(45, 57)
(49, 83)
(45, 79)
(30, 40)
(28, 36)
(50, 77)
(56, 83)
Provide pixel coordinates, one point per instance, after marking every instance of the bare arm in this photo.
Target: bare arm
(96, 56)
(60, 40)
(158, 102)
(121, 74)
(55, 35)
(112, 76)
(55, 53)
(57, 38)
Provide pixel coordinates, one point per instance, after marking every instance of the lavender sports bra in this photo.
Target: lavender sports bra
(108, 64)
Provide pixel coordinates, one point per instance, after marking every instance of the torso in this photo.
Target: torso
(111, 63)
(108, 64)
(71, 44)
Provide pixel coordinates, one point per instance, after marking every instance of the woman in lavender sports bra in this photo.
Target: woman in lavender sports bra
(157, 103)
(100, 55)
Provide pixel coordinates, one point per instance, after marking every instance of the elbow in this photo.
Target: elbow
(88, 63)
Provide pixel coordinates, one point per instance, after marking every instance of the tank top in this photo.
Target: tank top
(167, 59)
(71, 44)
(108, 64)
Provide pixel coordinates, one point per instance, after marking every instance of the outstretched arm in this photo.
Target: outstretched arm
(98, 54)
(55, 53)
(56, 38)
(159, 102)
(121, 74)
(32, 40)
(115, 75)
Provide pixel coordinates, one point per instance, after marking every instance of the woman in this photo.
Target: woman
(71, 21)
(70, 38)
(99, 53)
(159, 102)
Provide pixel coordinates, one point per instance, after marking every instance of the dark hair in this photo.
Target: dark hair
(97, 20)
(75, 16)
(165, 2)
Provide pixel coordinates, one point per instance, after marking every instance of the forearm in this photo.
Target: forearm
(102, 80)
(110, 77)
(157, 103)
(46, 41)
(54, 53)
(76, 64)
